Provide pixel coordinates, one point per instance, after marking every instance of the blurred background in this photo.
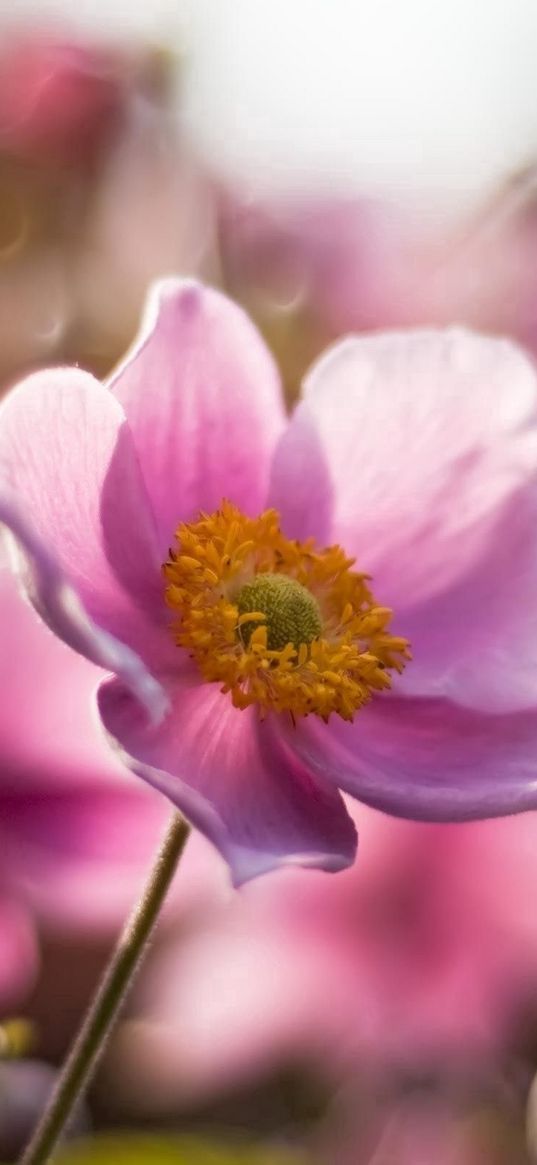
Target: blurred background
(335, 167)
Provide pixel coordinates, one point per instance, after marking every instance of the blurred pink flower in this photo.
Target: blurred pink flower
(327, 267)
(18, 951)
(416, 452)
(152, 212)
(61, 100)
(99, 195)
(419, 961)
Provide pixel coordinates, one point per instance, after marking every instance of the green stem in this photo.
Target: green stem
(117, 980)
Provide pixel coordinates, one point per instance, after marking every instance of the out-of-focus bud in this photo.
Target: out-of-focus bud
(60, 101)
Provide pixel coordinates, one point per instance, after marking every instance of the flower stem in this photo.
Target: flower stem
(89, 1043)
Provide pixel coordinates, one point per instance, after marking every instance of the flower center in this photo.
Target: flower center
(291, 612)
(278, 623)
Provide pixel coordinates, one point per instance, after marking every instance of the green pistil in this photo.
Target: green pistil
(292, 613)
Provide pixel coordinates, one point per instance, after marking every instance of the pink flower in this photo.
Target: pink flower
(419, 961)
(60, 101)
(312, 268)
(18, 952)
(415, 452)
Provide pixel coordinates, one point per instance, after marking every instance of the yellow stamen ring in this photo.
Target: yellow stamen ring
(278, 623)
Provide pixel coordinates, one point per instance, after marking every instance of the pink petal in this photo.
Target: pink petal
(261, 808)
(426, 759)
(60, 607)
(81, 484)
(477, 645)
(203, 401)
(418, 453)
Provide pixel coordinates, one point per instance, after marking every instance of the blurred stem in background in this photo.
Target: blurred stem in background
(117, 980)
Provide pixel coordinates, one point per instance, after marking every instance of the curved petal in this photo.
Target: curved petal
(203, 401)
(82, 486)
(60, 607)
(418, 453)
(477, 644)
(428, 760)
(262, 809)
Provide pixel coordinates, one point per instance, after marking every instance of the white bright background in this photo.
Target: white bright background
(432, 99)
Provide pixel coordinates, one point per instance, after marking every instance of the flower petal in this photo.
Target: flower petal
(203, 401)
(428, 760)
(418, 453)
(82, 486)
(60, 607)
(477, 645)
(262, 809)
